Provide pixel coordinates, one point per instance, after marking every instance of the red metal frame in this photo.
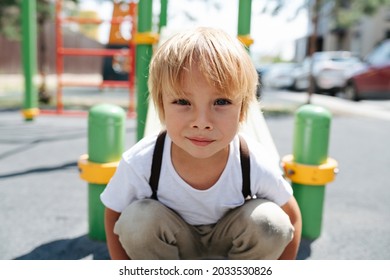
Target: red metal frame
(61, 52)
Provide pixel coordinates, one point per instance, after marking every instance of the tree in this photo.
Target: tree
(9, 19)
(10, 15)
(345, 13)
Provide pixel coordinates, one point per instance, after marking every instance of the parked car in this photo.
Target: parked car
(330, 71)
(278, 75)
(373, 81)
(300, 75)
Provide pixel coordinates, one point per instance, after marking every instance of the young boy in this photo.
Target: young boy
(201, 83)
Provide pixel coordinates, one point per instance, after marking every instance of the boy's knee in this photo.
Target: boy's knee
(148, 229)
(262, 230)
(138, 220)
(268, 221)
(273, 223)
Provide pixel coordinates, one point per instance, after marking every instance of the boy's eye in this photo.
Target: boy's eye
(181, 102)
(222, 101)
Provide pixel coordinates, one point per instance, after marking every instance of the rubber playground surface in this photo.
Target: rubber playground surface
(43, 202)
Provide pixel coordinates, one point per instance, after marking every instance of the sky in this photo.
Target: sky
(273, 35)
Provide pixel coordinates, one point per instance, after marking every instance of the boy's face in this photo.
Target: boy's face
(203, 122)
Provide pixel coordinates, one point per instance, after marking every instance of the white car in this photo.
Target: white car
(278, 75)
(330, 71)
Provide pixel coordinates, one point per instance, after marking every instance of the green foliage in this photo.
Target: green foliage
(348, 12)
(345, 12)
(10, 16)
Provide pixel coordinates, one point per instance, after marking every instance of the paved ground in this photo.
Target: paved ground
(43, 203)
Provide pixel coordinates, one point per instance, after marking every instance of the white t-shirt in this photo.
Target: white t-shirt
(197, 207)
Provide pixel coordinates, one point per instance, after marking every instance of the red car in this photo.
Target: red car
(373, 81)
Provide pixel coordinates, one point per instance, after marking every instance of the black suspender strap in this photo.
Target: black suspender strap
(156, 163)
(245, 168)
(157, 160)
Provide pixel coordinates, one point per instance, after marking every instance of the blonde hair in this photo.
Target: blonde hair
(222, 60)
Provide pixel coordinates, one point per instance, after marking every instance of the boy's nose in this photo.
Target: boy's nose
(202, 120)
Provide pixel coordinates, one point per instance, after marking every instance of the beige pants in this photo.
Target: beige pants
(257, 230)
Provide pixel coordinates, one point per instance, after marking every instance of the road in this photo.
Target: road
(282, 99)
(43, 203)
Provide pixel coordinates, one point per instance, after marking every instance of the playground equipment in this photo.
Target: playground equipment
(145, 39)
(244, 22)
(119, 67)
(120, 16)
(106, 138)
(29, 53)
(309, 168)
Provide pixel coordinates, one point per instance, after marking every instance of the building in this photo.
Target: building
(360, 38)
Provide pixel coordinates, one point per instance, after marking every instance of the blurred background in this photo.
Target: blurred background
(335, 47)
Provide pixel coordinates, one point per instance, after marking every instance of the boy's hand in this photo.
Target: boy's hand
(292, 210)
(114, 246)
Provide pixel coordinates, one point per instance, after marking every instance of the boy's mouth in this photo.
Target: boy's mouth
(198, 141)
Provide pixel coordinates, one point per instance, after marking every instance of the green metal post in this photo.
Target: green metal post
(244, 17)
(29, 55)
(143, 57)
(106, 134)
(244, 23)
(163, 14)
(310, 147)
